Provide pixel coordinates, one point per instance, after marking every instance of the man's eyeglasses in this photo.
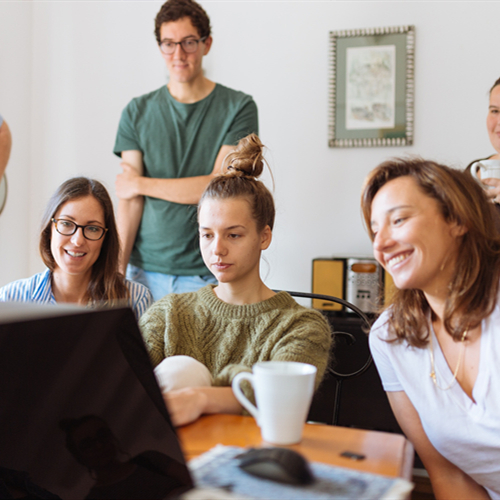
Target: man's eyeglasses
(67, 228)
(189, 45)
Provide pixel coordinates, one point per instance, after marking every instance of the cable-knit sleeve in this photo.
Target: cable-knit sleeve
(172, 326)
(153, 327)
(299, 334)
(307, 341)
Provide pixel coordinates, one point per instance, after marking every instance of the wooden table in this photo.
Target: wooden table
(387, 454)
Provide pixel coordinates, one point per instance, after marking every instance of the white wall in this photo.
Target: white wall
(15, 107)
(68, 69)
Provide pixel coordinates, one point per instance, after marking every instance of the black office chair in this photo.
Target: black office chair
(349, 339)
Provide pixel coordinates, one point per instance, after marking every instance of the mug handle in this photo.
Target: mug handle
(241, 397)
(474, 168)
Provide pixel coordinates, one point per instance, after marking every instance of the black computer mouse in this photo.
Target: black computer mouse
(277, 464)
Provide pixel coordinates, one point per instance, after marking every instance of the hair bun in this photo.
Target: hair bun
(248, 158)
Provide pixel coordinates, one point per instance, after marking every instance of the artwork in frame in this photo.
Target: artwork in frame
(372, 87)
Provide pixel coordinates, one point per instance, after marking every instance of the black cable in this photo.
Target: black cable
(359, 312)
(339, 377)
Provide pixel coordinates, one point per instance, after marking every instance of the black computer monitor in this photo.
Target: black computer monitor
(81, 414)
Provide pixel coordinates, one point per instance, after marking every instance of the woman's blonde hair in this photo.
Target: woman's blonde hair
(244, 166)
(474, 288)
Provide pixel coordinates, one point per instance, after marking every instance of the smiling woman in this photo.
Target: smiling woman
(491, 185)
(200, 341)
(79, 245)
(411, 238)
(437, 344)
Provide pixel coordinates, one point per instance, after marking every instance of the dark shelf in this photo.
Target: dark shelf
(363, 402)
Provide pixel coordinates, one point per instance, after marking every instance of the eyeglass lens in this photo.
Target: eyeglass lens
(67, 228)
(189, 45)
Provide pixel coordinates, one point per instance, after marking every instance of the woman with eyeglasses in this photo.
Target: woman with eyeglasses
(79, 245)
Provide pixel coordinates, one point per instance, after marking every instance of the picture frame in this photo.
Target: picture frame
(371, 94)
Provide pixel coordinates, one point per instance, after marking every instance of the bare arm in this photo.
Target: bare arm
(5, 146)
(448, 481)
(129, 213)
(186, 190)
(187, 405)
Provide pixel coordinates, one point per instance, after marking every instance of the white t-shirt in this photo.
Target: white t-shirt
(466, 433)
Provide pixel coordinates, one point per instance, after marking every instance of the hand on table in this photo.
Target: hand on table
(493, 192)
(126, 183)
(185, 405)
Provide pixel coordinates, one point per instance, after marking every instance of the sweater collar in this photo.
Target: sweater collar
(279, 301)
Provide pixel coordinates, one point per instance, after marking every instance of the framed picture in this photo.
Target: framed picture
(372, 87)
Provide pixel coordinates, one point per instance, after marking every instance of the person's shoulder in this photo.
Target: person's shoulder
(381, 336)
(382, 319)
(176, 302)
(294, 305)
(300, 312)
(161, 305)
(25, 289)
(231, 95)
(137, 290)
(381, 326)
(145, 100)
(153, 95)
(140, 295)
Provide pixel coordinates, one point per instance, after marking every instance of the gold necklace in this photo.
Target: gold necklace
(460, 357)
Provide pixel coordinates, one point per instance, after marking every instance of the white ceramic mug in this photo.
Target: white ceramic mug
(283, 393)
(488, 168)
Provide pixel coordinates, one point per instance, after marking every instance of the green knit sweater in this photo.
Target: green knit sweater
(229, 339)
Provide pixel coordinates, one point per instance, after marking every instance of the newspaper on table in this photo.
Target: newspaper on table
(218, 468)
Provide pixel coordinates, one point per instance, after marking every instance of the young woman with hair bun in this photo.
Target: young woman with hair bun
(199, 341)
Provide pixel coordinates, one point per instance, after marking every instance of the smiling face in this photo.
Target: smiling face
(229, 241)
(183, 67)
(412, 241)
(75, 255)
(493, 118)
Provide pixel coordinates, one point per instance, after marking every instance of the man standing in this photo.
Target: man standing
(172, 142)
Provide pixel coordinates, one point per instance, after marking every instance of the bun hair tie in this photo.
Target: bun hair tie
(236, 169)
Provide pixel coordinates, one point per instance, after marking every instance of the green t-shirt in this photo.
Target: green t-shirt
(179, 140)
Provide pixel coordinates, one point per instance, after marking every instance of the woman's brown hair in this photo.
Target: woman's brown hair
(244, 166)
(474, 288)
(106, 283)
